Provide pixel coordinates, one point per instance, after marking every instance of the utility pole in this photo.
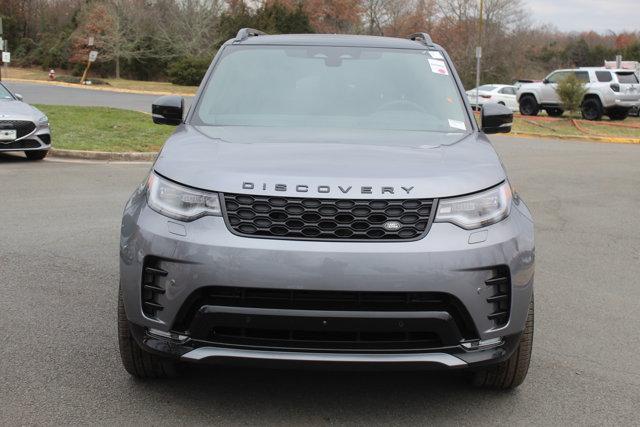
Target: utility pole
(6, 64)
(479, 55)
(1, 46)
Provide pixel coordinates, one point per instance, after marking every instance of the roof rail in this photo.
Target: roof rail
(424, 37)
(245, 33)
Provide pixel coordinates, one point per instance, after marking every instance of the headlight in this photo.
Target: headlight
(43, 121)
(477, 210)
(182, 203)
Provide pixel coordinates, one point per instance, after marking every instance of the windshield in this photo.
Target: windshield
(332, 87)
(4, 93)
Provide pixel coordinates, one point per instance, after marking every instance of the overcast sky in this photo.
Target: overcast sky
(585, 15)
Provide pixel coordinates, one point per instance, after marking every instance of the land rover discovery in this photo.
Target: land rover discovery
(328, 200)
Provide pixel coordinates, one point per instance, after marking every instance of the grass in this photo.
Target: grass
(115, 130)
(154, 87)
(542, 125)
(564, 127)
(104, 129)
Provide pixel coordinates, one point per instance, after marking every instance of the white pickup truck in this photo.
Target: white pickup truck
(609, 92)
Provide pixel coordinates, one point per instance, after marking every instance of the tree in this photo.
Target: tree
(188, 28)
(571, 92)
(122, 30)
(276, 17)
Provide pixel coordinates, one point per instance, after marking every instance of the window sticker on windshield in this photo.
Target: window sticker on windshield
(435, 54)
(438, 67)
(457, 124)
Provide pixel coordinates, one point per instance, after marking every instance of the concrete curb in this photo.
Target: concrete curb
(102, 155)
(583, 138)
(101, 88)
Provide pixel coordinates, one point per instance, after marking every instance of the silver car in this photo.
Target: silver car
(328, 200)
(23, 127)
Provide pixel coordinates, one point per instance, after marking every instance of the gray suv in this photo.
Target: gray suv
(328, 200)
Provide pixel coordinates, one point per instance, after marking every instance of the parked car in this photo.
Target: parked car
(609, 92)
(500, 94)
(341, 206)
(22, 127)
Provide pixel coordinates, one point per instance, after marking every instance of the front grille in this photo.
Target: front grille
(19, 145)
(288, 299)
(327, 219)
(22, 127)
(500, 299)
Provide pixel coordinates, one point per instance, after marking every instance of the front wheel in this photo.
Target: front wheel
(136, 360)
(36, 154)
(512, 372)
(529, 106)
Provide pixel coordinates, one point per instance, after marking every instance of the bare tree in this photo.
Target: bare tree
(189, 26)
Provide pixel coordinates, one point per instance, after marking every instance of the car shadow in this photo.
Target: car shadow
(320, 395)
(12, 157)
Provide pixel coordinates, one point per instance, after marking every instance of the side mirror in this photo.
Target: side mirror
(168, 110)
(18, 96)
(496, 118)
(545, 81)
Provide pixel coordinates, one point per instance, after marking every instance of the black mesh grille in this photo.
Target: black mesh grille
(327, 219)
(22, 127)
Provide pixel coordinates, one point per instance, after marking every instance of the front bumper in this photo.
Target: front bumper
(39, 139)
(624, 103)
(204, 253)
(452, 358)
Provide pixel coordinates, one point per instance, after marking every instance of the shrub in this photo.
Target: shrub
(188, 71)
(571, 92)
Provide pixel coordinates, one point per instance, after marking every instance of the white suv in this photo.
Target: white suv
(610, 92)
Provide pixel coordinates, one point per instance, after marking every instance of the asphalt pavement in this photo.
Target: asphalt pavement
(59, 361)
(42, 93)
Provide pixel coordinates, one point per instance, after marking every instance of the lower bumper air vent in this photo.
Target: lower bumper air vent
(500, 299)
(18, 145)
(152, 287)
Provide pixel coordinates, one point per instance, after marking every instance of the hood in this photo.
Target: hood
(18, 110)
(330, 163)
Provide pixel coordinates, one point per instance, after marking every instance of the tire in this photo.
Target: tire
(138, 362)
(591, 109)
(511, 373)
(555, 112)
(36, 154)
(618, 113)
(529, 106)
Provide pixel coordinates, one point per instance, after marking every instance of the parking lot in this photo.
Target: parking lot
(59, 269)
